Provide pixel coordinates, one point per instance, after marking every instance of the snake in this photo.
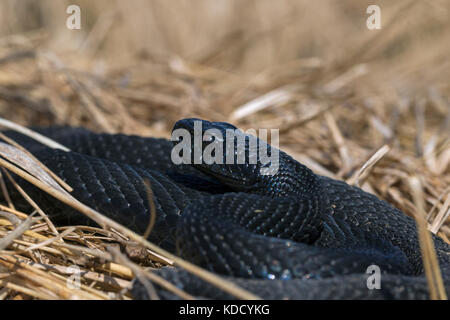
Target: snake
(291, 234)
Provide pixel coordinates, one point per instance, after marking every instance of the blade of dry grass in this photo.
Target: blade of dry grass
(31, 202)
(442, 216)
(340, 142)
(36, 136)
(44, 167)
(16, 233)
(358, 178)
(276, 97)
(142, 274)
(51, 240)
(431, 264)
(151, 204)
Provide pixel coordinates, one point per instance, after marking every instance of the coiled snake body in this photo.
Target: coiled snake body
(294, 234)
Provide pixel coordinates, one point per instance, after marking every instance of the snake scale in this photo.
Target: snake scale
(291, 235)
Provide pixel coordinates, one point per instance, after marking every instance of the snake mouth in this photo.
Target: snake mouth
(236, 183)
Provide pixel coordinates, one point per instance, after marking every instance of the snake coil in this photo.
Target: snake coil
(294, 234)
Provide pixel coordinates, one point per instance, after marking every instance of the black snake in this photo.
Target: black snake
(294, 234)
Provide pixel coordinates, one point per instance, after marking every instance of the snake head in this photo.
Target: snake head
(237, 159)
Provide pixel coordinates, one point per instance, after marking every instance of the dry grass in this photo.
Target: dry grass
(368, 107)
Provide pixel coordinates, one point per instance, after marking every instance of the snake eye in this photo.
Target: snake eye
(208, 138)
(211, 137)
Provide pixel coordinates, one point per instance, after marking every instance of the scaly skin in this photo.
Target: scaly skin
(317, 234)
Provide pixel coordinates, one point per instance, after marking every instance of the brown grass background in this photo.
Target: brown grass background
(337, 91)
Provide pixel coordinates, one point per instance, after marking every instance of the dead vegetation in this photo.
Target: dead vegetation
(368, 107)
